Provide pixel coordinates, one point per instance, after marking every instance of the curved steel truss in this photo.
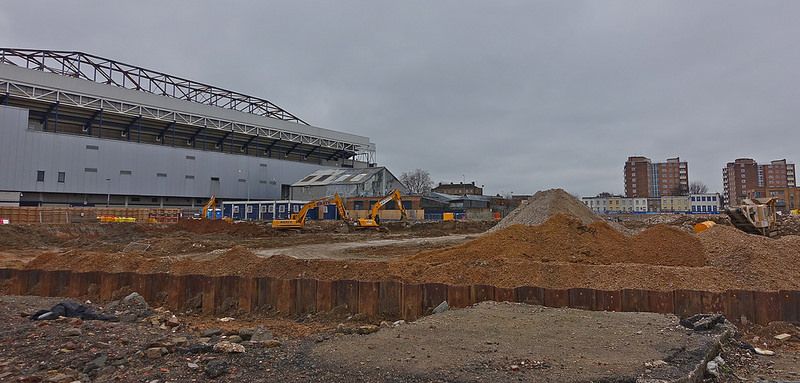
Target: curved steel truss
(106, 71)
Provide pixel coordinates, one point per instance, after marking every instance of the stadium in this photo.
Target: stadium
(82, 130)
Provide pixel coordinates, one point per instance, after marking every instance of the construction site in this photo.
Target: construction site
(328, 270)
(340, 299)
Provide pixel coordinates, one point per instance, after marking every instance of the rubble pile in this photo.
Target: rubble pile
(545, 204)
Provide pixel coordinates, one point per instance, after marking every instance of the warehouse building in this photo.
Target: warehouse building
(365, 182)
(81, 130)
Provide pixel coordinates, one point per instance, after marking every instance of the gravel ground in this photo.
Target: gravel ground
(498, 342)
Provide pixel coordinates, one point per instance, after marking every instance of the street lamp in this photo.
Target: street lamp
(108, 192)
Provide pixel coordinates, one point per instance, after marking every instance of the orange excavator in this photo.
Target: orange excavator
(298, 220)
(373, 220)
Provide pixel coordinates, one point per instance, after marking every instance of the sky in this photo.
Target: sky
(518, 96)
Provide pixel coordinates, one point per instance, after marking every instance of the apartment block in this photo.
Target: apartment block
(647, 179)
(745, 176)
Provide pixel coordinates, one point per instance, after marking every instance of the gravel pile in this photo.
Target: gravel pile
(545, 204)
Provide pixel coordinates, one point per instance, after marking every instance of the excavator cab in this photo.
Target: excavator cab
(298, 220)
(373, 220)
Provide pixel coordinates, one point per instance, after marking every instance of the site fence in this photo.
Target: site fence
(59, 215)
(389, 300)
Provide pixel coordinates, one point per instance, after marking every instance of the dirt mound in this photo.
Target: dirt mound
(236, 261)
(238, 229)
(545, 204)
(753, 259)
(564, 238)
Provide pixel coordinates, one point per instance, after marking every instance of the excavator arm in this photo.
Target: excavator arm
(210, 205)
(298, 220)
(372, 220)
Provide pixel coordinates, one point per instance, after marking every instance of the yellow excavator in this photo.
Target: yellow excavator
(298, 220)
(211, 206)
(373, 220)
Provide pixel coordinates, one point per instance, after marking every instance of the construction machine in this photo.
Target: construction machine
(298, 220)
(755, 216)
(210, 209)
(373, 219)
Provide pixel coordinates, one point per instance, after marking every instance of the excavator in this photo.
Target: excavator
(373, 220)
(298, 220)
(210, 206)
(755, 216)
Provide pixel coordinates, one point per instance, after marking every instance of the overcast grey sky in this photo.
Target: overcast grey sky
(518, 96)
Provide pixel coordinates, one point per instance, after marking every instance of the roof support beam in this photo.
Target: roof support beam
(268, 149)
(164, 131)
(194, 136)
(127, 132)
(310, 152)
(87, 127)
(4, 99)
(222, 141)
(47, 114)
(288, 152)
(247, 144)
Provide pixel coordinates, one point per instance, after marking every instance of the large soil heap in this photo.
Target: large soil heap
(545, 204)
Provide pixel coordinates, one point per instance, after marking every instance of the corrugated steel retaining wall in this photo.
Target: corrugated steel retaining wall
(385, 299)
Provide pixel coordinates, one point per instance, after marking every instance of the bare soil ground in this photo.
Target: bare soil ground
(562, 252)
(497, 342)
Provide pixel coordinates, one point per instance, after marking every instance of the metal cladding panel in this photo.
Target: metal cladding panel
(391, 299)
(556, 297)
(767, 306)
(607, 300)
(432, 295)
(26, 151)
(458, 296)
(412, 301)
(739, 305)
(580, 298)
(530, 295)
(347, 294)
(635, 300)
(369, 298)
(688, 303)
(790, 305)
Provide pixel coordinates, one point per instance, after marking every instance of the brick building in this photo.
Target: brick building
(458, 189)
(788, 198)
(744, 176)
(647, 179)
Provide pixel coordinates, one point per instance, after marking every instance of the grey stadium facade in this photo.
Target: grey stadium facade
(80, 130)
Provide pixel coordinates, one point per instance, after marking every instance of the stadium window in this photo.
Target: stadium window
(235, 209)
(271, 208)
(262, 208)
(40, 176)
(61, 177)
(249, 209)
(161, 174)
(296, 208)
